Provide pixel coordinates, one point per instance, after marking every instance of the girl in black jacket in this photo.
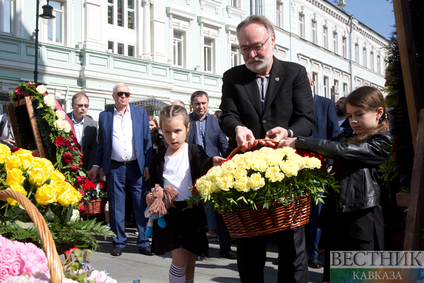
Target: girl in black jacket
(352, 219)
(179, 166)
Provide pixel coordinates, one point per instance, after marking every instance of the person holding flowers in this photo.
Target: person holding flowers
(352, 219)
(266, 98)
(179, 166)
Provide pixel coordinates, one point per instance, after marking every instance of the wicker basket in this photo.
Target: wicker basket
(53, 260)
(248, 222)
(94, 207)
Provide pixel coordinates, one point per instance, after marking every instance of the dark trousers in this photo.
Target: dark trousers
(118, 180)
(292, 257)
(224, 235)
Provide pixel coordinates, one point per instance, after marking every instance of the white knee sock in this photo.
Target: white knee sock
(176, 274)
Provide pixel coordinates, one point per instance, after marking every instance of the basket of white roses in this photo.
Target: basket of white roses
(264, 191)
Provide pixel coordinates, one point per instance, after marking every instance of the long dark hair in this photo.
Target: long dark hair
(369, 98)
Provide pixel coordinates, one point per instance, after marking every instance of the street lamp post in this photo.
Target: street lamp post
(48, 15)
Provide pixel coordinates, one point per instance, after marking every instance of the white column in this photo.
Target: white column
(147, 54)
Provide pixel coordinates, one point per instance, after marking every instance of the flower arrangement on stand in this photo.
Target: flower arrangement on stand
(57, 186)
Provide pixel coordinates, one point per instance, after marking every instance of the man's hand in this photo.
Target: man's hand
(245, 138)
(218, 160)
(278, 134)
(288, 142)
(92, 174)
(146, 174)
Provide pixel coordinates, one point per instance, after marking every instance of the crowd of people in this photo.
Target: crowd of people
(263, 98)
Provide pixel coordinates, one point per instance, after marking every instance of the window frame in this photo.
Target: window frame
(314, 31)
(302, 25)
(279, 14)
(10, 16)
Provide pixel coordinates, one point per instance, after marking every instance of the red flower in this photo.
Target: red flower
(66, 142)
(13, 149)
(59, 141)
(82, 193)
(88, 185)
(35, 155)
(102, 184)
(80, 162)
(67, 157)
(74, 168)
(71, 250)
(81, 180)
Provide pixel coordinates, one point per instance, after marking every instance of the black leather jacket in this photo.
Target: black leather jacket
(356, 168)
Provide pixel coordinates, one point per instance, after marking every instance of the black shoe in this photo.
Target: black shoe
(228, 254)
(313, 262)
(200, 257)
(145, 251)
(116, 252)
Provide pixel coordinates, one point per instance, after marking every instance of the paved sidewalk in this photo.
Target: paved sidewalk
(152, 269)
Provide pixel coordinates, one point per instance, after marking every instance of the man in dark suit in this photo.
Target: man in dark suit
(85, 128)
(124, 152)
(326, 127)
(266, 98)
(205, 131)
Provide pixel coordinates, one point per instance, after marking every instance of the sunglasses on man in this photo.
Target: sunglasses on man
(121, 93)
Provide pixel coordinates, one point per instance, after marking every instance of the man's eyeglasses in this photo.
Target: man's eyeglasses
(81, 105)
(121, 93)
(258, 47)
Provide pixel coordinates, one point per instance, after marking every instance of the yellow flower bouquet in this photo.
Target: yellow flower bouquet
(263, 177)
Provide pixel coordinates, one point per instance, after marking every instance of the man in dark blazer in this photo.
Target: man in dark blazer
(326, 127)
(266, 98)
(124, 152)
(85, 128)
(205, 131)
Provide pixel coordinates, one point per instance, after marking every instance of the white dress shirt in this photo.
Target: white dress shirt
(78, 128)
(122, 137)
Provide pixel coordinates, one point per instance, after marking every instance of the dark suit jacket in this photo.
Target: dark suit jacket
(326, 124)
(288, 103)
(141, 138)
(88, 141)
(215, 143)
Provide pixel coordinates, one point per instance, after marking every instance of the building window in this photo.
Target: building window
(315, 79)
(121, 49)
(119, 12)
(235, 3)
(344, 47)
(131, 51)
(279, 15)
(372, 61)
(335, 42)
(178, 49)
(110, 46)
(345, 90)
(54, 30)
(130, 14)
(208, 50)
(110, 12)
(6, 16)
(326, 94)
(357, 53)
(314, 32)
(325, 37)
(235, 57)
(302, 25)
(364, 57)
(378, 64)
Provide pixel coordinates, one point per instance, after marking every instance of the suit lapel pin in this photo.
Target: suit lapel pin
(277, 79)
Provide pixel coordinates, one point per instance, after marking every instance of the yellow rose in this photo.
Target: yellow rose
(240, 184)
(289, 169)
(38, 177)
(256, 181)
(203, 186)
(42, 164)
(12, 161)
(313, 163)
(18, 188)
(46, 194)
(57, 176)
(4, 153)
(274, 174)
(26, 157)
(69, 195)
(14, 176)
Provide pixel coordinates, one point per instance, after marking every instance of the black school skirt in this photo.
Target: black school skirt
(185, 228)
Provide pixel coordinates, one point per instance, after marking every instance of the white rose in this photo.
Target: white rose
(41, 89)
(60, 114)
(75, 215)
(60, 124)
(50, 101)
(67, 127)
